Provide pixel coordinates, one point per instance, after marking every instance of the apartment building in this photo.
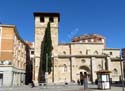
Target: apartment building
(29, 63)
(12, 56)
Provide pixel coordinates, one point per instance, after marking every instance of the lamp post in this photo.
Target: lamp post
(46, 73)
(52, 68)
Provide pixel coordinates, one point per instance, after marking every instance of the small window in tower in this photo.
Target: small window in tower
(51, 19)
(41, 19)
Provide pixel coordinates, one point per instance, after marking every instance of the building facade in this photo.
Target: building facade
(86, 53)
(30, 63)
(12, 57)
(123, 59)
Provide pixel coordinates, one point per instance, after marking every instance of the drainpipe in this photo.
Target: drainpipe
(70, 62)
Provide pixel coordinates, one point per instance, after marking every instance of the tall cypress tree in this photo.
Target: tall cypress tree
(46, 53)
(47, 50)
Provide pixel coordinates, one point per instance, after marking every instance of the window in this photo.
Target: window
(1, 76)
(115, 72)
(96, 52)
(0, 30)
(41, 19)
(83, 61)
(87, 51)
(65, 68)
(51, 19)
(64, 52)
(1, 62)
(32, 52)
(80, 52)
(103, 40)
(99, 67)
(99, 40)
(18, 63)
(110, 53)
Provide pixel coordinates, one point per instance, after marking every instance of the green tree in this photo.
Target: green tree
(47, 50)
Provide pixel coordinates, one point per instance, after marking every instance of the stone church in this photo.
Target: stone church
(85, 53)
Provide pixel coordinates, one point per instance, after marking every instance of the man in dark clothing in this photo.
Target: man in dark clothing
(32, 84)
(81, 78)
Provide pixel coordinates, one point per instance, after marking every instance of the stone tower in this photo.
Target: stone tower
(41, 21)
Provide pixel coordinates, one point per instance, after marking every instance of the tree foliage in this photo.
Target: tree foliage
(47, 50)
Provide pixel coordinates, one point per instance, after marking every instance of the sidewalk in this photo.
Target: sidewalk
(73, 87)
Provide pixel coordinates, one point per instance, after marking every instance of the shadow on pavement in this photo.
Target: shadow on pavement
(118, 84)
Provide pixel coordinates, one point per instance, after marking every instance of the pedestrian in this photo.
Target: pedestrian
(85, 79)
(81, 78)
(32, 84)
(78, 82)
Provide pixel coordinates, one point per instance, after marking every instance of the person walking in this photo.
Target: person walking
(81, 78)
(32, 84)
(78, 82)
(85, 79)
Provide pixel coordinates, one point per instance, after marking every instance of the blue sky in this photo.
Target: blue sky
(105, 17)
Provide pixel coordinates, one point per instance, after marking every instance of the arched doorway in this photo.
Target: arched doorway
(85, 68)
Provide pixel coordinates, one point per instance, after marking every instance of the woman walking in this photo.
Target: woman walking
(85, 78)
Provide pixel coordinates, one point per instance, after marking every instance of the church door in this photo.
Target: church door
(1, 80)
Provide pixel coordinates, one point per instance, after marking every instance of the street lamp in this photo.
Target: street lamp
(46, 73)
(52, 67)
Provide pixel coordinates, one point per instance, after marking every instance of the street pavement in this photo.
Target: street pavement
(73, 87)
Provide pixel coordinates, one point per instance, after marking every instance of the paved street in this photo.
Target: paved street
(57, 88)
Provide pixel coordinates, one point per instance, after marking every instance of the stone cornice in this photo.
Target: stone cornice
(80, 43)
(111, 49)
(14, 69)
(78, 56)
(43, 14)
(116, 59)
